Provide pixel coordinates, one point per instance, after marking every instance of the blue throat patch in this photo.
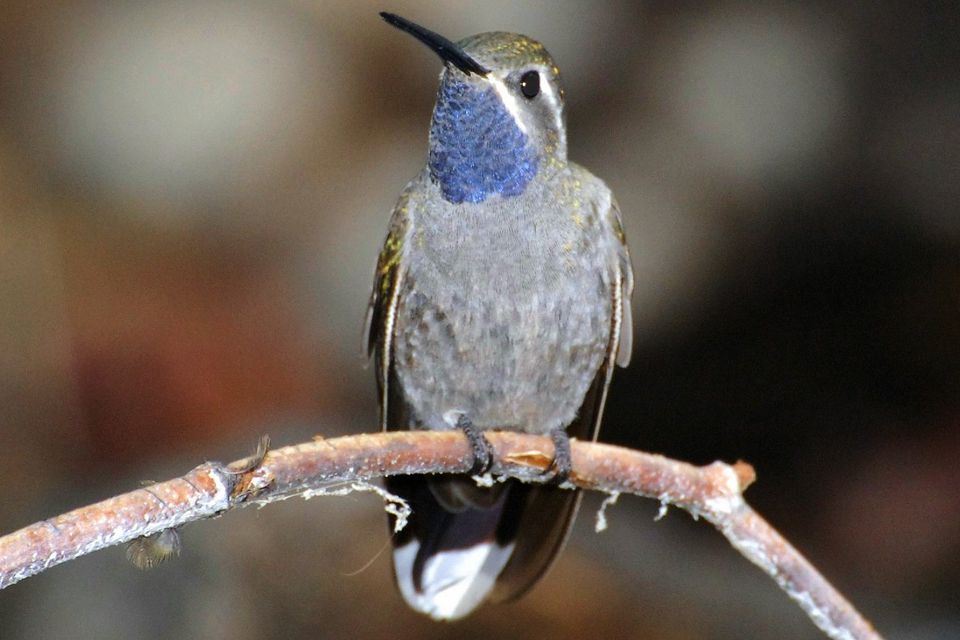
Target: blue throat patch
(476, 148)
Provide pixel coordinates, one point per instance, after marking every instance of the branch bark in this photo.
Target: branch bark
(713, 492)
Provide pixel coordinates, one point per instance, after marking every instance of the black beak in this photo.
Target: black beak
(448, 51)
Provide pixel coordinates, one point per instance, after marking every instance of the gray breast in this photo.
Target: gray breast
(504, 311)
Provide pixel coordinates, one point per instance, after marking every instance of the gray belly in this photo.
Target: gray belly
(512, 343)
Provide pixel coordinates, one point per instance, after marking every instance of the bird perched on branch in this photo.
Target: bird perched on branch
(501, 301)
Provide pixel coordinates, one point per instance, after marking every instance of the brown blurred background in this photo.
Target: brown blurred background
(192, 196)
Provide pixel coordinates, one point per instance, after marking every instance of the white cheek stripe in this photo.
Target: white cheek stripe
(509, 101)
(551, 95)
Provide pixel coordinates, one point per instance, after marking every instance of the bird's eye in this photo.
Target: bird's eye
(530, 84)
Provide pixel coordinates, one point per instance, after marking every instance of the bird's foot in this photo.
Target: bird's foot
(562, 465)
(479, 445)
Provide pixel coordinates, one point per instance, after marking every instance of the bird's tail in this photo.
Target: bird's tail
(465, 544)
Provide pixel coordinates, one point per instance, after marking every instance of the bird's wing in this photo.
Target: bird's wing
(624, 324)
(381, 310)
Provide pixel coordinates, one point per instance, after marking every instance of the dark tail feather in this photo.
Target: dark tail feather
(542, 530)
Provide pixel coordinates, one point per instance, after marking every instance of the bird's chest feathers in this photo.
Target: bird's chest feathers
(519, 251)
(477, 149)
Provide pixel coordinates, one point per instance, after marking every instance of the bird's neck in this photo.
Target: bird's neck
(477, 149)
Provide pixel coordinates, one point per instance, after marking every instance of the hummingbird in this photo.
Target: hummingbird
(501, 300)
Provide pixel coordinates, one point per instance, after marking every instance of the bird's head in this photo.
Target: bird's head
(499, 117)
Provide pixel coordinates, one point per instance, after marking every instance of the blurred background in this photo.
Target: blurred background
(192, 197)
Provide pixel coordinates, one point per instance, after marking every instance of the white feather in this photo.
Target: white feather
(454, 582)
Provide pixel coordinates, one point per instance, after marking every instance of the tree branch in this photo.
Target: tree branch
(713, 492)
